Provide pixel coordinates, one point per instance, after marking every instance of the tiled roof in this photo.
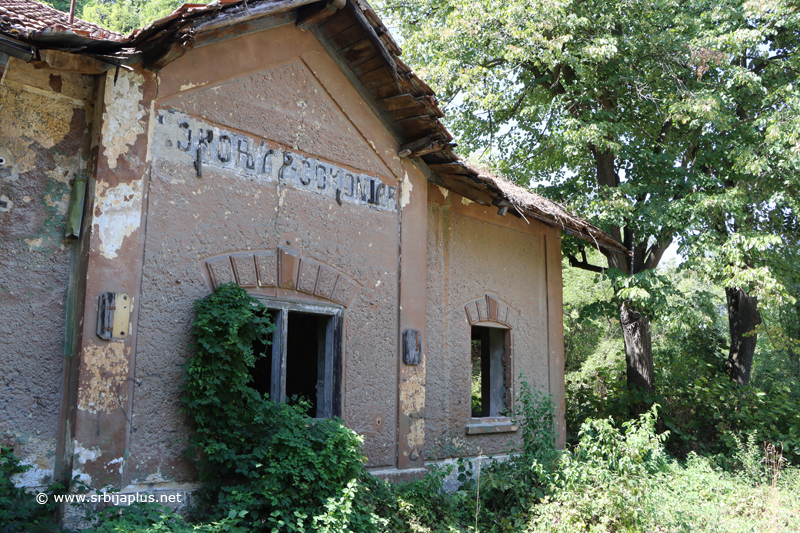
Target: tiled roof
(27, 18)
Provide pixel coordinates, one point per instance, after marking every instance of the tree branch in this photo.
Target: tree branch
(585, 265)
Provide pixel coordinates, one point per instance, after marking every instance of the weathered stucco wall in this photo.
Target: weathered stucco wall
(473, 251)
(291, 99)
(44, 118)
(246, 147)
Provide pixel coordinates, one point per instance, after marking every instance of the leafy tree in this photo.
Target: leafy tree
(121, 16)
(649, 116)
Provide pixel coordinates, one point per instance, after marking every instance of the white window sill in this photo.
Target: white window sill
(483, 426)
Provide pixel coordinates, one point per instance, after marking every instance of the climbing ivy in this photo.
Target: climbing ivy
(288, 471)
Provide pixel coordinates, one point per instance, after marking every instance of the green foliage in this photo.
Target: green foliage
(537, 424)
(700, 407)
(620, 479)
(121, 16)
(288, 471)
(660, 120)
(603, 483)
(703, 409)
(476, 393)
(421, 505)
(19, 511)
(508, 490)
(155, 518)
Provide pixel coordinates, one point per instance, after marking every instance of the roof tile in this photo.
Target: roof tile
(27, 18)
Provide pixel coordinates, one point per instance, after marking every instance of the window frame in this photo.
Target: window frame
(334, 334)
(496, 422)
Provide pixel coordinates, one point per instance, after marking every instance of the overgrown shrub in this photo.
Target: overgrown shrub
(603, 485)
(703, 410)
(288, 471)
(155, 518)
(19, 511)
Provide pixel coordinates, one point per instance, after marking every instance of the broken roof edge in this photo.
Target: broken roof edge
(30, 19)
(487, 189)
(363, 44)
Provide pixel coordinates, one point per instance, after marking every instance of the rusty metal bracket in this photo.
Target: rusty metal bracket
(113, 315)
(412, 347)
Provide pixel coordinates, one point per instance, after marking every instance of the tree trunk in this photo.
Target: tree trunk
(743, 317)
(638, 347)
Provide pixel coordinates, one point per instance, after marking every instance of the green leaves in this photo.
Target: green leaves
(666, 121)
(286, 471)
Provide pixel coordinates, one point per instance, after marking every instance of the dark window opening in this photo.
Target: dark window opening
(489, 364)
(303, 357)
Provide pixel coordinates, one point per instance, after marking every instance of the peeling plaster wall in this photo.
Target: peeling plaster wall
(191, 219)
(473, 251)
(43, 135)
(115, 247)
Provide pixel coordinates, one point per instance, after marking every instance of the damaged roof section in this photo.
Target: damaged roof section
(27, 19)
(355, 36)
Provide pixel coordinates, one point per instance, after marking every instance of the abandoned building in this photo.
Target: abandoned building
(282, 145)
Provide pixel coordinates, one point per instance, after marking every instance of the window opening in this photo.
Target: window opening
(304, 357)
(489, 359)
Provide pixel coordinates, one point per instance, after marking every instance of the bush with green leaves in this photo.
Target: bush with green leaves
(19, 511)
(154, 518)
(288, 471)
(604, 483)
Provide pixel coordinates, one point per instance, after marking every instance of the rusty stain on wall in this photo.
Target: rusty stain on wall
(108, 367)
(117, 214)
(123, 116)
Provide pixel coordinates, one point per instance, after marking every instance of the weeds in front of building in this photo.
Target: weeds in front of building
(269, 467)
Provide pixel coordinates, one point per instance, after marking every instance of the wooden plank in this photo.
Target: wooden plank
(409, 112)
(380, 84)
(367, 64)
(157, 61)
(382, 90)
(420, 147)
(244, 13)
(314, 14)
(348, 37)
(430, 106)
(368, 96)
(381, 75)
(237, 30)
(336, 25)
(466, 189)
(417, 126)
(450, 168)
(358, 50)
(407, 149)
(420, 121)
(398, 102)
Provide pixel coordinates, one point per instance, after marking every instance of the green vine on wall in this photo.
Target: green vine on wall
(289, 471)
